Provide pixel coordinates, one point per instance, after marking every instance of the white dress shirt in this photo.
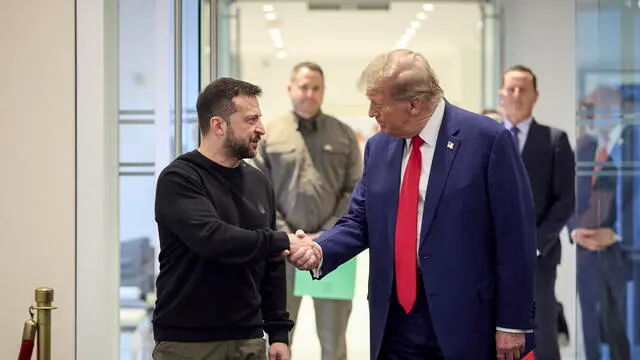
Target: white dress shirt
(429, 135)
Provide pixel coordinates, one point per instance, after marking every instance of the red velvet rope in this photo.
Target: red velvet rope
(26, 350)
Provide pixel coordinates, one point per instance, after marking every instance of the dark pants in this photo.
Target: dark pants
(546, 313)
(602, 291)
(410, 336)
(249, 349)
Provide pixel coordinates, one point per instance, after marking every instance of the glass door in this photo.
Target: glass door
(159, 77)
(608, 179)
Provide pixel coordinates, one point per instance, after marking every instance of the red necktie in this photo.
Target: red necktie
(407, 229)
(601, 156)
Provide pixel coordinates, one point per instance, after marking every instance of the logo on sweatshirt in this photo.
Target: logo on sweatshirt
(261, 208)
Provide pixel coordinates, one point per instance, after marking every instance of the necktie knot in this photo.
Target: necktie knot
(416, 142)
(515, 131)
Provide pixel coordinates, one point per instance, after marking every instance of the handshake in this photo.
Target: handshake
(304, 253)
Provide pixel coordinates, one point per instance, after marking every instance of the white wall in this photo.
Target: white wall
(43, 239)
(37, 152)
(459, 73)
(540, 34)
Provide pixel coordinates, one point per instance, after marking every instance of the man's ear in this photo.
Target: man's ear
(415, 105)
(218, 125)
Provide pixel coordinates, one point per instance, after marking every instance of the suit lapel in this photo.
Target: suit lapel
(447, 147)
(528, 152)
(394, 168)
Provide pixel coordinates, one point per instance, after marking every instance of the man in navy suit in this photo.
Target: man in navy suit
(445, 208)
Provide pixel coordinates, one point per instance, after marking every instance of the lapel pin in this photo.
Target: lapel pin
(328, 148)
(450, 145)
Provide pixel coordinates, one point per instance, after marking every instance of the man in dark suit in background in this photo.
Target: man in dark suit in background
(550, 164)
(603, 225)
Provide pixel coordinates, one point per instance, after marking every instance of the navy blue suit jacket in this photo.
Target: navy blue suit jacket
(478, 239)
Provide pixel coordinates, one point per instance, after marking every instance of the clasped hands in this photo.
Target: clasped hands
(304, 253)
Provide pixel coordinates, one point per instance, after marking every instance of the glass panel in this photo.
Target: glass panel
(607, 222)
(138, 88)
(190, 73)
(491, 55)
(146, 118)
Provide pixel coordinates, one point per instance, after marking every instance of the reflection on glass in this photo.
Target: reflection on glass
(606, 225)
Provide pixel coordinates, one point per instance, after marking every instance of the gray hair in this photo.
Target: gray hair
(408, 74)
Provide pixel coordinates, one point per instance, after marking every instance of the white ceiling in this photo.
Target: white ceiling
(316, 33)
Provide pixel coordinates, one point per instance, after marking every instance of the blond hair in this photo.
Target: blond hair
(405, 74)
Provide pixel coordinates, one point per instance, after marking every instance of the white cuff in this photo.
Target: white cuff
(513, 331)
(317, 272)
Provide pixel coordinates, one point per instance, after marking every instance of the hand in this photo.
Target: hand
(279, 351)
(304, 253)
(594, 239)
(509, 346)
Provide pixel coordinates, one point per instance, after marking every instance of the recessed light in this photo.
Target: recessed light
(416, 24)
(421, 16)
(410, 31)
(270, 16)
(427, 7)
(268, 8)
(281, 54)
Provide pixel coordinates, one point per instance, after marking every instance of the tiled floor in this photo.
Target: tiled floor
(305, 343)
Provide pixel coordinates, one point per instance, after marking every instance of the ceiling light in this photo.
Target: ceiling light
(427, 7)
(270, 16)
(413, 27)
(268, 8)
(281, 54)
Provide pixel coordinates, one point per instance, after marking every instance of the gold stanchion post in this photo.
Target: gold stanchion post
(43, 308)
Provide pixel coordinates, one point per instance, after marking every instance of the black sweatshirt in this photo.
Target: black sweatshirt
(222, 275)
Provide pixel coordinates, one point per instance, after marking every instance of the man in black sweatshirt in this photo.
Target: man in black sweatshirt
(222, 273)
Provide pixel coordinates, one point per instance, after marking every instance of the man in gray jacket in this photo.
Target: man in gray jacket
(314, 162)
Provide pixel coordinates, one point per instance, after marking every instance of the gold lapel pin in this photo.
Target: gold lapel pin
(328, 148)
(450, 145)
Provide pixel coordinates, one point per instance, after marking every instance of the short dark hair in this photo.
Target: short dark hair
(524, 69)
(217, 100)
(306, 64)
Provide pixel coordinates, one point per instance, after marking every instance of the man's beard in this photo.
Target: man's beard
(239, 149)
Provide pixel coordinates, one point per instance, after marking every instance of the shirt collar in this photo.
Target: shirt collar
(523, 126)
(429, 133)
(305, 124)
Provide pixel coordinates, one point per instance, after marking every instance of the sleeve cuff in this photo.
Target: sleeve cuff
(279, 241)
(280, 336)
(316, 273)
(513, 331)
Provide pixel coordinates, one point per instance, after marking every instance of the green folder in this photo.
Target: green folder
(338, 285)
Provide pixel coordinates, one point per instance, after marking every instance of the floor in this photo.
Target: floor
(305, 343)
